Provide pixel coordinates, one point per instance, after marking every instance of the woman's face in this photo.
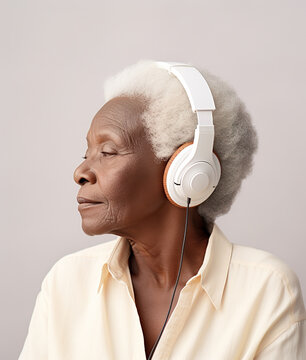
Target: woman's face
(119, 171)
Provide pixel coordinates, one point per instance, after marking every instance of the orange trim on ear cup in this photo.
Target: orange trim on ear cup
(178, 150)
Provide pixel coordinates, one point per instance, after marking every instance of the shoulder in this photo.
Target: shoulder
(261, 260)
(82, 267)
(268, 290)
(268, 277)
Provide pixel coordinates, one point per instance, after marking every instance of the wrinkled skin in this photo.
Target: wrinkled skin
(134, 205)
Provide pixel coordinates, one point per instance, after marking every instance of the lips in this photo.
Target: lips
(83, 200)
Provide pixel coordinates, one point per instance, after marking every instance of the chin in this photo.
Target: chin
(93, 230)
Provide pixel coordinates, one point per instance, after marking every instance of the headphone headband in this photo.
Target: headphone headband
(196, 87)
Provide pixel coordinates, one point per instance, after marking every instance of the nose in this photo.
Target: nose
(83, 173)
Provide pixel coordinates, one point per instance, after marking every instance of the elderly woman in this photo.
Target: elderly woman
(132, 297)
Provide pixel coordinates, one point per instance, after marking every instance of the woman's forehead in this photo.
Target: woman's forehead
(120, 116)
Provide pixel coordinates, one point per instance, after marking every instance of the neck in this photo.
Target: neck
(156, 247)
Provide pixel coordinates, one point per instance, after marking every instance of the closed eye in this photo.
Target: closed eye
(102, 152)
(107, 153)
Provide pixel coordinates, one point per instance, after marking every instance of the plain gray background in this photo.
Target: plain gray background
(55, 57)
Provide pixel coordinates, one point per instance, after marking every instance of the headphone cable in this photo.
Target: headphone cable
(177, 279)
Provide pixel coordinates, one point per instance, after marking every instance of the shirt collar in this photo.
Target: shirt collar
(213, 270)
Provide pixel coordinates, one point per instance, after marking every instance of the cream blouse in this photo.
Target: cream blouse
(244, 303)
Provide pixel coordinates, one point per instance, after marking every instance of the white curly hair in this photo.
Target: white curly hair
(169, 122)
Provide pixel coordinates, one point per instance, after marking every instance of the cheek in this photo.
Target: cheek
(132, 186)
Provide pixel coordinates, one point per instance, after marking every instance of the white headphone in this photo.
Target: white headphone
(194, 169)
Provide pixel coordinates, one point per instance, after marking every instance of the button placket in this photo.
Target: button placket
(175, 322)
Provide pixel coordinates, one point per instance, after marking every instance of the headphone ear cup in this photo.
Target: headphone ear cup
(174, 155)
(174, 197)
(217, 166)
